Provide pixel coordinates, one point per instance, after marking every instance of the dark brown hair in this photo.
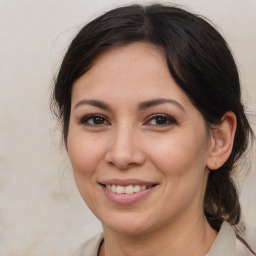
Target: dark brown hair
(199, 60)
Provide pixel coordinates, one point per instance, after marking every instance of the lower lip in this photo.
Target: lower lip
(126, 199)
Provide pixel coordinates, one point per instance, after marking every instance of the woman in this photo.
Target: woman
(150, 102)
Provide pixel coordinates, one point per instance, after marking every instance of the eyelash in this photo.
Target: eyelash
(85, 120)
(167, 118)
(162, 117)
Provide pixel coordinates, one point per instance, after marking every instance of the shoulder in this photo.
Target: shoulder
(91, 247)
(226, 243)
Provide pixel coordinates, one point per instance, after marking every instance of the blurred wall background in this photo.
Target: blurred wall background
(41, 212)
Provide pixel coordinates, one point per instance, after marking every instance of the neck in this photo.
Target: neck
(186, 237)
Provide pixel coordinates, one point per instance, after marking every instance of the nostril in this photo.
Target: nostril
(125, 155)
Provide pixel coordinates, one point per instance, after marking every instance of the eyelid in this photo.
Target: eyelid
(89, 116)
(171, 119)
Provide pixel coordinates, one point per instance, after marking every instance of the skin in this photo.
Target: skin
(128, 142)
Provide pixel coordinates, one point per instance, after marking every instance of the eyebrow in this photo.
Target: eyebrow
(141, 106)
(155, 102)
(96, 103)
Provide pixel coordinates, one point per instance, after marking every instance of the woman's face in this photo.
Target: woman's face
(137, 145)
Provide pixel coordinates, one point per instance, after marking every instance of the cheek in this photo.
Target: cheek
(179, 155)
(85, 156)
(84, 153)
(181, 161)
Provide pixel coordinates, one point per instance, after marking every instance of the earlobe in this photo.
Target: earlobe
(221, 142)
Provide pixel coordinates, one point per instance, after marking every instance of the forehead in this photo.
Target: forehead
(142, 60)
(138, 69)
(133, 52)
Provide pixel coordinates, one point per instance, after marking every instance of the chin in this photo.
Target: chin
(129, 225)
(128, 229)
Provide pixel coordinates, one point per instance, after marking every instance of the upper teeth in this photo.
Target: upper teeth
(126, 189)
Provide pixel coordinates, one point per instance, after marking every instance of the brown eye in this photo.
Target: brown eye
(161, 120)
(95, 120)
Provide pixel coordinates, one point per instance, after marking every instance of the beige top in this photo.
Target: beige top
(225, 244)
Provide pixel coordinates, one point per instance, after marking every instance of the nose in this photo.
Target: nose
(124, 150)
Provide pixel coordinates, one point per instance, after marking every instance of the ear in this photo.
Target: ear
(221, 141)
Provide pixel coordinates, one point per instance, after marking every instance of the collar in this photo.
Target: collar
(225, 242)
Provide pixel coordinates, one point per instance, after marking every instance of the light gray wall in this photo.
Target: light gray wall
(41, 212)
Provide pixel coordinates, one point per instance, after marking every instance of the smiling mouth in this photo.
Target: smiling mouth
(129, 189)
